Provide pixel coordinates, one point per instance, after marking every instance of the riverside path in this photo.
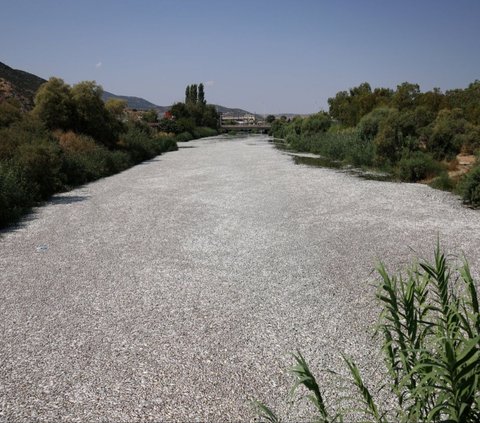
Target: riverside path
(176, 290)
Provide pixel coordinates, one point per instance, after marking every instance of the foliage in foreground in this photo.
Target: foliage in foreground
(430, 326)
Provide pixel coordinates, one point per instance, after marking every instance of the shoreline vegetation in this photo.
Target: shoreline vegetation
(71, 137)
(429, 330)
(429, 137)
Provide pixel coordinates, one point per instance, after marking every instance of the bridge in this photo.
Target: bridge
(263, 127)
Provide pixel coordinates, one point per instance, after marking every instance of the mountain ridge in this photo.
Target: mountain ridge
(22, 85)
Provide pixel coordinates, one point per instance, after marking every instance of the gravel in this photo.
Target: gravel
(176, 290)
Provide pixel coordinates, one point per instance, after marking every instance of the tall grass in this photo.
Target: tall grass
(430, 326)
(343, 145)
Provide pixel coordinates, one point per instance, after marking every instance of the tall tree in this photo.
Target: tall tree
(187, 94)
(193, 93)
(201, 95)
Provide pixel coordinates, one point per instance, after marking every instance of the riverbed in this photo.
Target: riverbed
(177, 290)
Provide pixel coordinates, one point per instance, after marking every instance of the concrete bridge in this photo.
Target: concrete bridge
(264, 127)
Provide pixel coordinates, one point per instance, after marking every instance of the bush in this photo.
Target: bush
(184, 136)
(369, 124)
(203, 131)
(138, 144)
(417, 166)
(361, 152)
(443, 182)
(166, 143)
(431, 335)
(15, 197)
(470, 187)
(40, 165)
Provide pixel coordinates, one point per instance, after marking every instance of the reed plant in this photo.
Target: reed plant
(430, 336)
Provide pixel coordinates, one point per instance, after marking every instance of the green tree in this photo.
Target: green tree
(370, 123)
(187, 94)
(193, 94)
(395, 135)
(406, 96)
(54, 105)
(201, 95)
(432, 101)
(446, 135)
(315, 124)
(150, 116)
(270, 119)
(93, 118)
(116, 107)
(10, 112)
(349, 107)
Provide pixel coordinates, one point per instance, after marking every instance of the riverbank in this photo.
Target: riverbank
(346, 151)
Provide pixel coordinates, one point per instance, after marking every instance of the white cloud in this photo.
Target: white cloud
(209, 83)
(98, 65)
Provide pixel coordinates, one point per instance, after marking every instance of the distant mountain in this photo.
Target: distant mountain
(142, 104)
(231, 111)
(23, 86)
(135, 102)
(18, 84)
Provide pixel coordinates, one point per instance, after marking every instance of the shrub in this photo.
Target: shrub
(431, 334)
(15, 197)
(369, 124)
(184, 136)
(470, 187)
(75, 143)
(10, 112)
(40, 164)
(166, 143)
(361, 152)
(417, 166)
(203, 131)
(443, 182)
(138, 144)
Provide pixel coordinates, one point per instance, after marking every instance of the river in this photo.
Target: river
(177, 289)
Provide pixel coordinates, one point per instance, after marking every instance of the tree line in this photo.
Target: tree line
(69, 138)
(414, 135)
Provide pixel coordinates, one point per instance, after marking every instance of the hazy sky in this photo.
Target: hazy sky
(267, 56)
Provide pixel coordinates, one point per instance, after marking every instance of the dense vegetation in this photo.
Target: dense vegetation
(412, 134)
(70, 137)
(192, 119)
(430, 325)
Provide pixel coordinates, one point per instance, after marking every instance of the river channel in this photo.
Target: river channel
(177, 290)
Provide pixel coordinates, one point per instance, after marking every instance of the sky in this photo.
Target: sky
(265, 56)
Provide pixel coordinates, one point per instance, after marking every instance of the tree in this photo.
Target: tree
(150, 116)
(10, 112)
(116, 107)
(349, 107)
(270, 119)
(54, 105)
(314, 124)
(93, 118)
(201, 95)
(187, 94)
(406, 96)
(193, 94)
(369, 124)
(447, 130)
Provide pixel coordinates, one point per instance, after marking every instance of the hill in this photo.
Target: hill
(231, 111)
(135, 102)
(142, 104)
(23, 86)
(18, 84)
